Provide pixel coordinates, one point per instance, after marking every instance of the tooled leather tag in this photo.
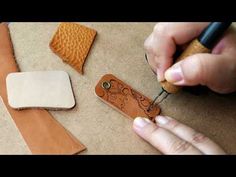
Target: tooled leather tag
(124, 98)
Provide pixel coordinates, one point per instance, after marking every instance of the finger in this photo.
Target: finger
(152, 64)
(162, 42)
(227, 43)
(162, 139)
(158, 61)
(180, 32)
(186, 133)
(214, 71)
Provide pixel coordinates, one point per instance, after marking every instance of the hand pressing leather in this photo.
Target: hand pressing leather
(216, 70)
(171, 137)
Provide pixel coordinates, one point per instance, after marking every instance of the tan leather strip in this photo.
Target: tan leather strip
(42, 133)
(124, 98)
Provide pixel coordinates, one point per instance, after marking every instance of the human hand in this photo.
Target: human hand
(171, 137)
(216, 70)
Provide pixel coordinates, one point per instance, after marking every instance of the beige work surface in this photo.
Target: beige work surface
(118, 49)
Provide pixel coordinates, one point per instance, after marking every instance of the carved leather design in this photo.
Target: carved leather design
(125, 99)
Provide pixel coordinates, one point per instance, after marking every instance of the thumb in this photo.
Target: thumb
(214, 71)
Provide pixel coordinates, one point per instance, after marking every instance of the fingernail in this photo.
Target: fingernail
(161, 120)
(141, 122)
(174, 75)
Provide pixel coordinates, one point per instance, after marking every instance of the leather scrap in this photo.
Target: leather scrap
(41, 132)
(72, 43)
(34, 90)
(124, 98)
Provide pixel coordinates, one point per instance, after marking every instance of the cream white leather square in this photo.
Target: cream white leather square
(40, 89)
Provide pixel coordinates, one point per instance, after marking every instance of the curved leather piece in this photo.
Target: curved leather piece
(42, 133)
(72, 43)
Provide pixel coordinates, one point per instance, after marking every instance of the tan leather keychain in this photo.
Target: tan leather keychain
(124, 98)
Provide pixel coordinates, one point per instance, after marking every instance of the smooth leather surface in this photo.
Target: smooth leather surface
(40, 89)
(125, 99)
(41, 132)
(11, 141)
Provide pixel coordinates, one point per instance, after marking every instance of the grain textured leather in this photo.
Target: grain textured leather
(125, 99)
(41, 132)
(72, 43)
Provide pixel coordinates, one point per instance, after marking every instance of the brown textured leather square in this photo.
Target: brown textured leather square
(124, 98)
(72, 43)
(41, 132)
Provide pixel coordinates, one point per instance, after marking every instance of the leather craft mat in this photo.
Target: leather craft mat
(118, 49)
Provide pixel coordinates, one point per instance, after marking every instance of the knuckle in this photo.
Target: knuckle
(200, 74)
(149, 46)
(199, 138)
(179, 146)
(147, 43)
(197, 73)
(165, 29)
(157, 26)
(153, 134)
(173, 124)
(160, 27)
